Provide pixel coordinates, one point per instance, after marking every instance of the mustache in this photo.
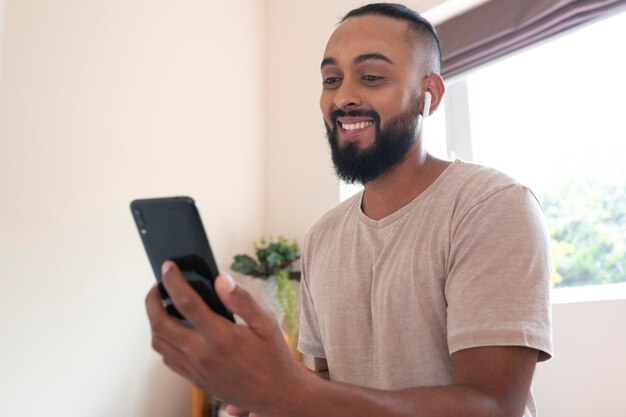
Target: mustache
(354, 113)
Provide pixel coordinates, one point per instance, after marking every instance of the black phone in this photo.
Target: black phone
(171, 229)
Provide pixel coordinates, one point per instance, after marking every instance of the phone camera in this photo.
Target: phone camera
(139, 219)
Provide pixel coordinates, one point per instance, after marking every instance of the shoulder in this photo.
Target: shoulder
(470, 185)
(478, 180)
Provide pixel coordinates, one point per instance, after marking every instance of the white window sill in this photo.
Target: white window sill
(589, 293)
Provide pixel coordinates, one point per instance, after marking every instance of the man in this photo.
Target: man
(424, 295)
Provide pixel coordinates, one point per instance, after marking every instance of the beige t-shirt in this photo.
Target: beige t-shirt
(465, 264)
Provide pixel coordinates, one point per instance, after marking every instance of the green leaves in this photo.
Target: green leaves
(246, 265)
(288, 302)
(587, 220)
(273, 255)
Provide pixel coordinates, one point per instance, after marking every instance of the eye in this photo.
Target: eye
(331, 82)
(371, 78)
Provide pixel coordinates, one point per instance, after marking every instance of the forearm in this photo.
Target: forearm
(319, 398)
(488, 382)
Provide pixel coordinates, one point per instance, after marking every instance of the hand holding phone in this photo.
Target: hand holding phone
(171, 229)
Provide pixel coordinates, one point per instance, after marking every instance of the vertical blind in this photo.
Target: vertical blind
(499, 27)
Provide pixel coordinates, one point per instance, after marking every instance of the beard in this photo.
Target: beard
(390, 146)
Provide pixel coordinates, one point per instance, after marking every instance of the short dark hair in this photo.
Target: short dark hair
(419, 25)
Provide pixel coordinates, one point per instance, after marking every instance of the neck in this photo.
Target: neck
(402, 184)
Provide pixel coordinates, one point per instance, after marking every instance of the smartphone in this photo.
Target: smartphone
(171, 229)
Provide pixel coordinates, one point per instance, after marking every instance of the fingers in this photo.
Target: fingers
(236, 411)
(231, 410)
(162, 324)
(187, 301)
(168, 335)
(240, 302)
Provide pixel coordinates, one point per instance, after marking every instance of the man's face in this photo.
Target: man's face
(370, 96)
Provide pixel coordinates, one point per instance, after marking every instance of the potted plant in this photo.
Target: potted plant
(274, 265)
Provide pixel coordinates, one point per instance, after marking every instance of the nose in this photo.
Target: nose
(347, 95)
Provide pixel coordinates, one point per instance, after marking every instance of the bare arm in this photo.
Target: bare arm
(488, 382)
(250, 366)
(319, 368)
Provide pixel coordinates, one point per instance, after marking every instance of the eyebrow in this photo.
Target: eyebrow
(328, 61)
(358, 59)
(374, 55)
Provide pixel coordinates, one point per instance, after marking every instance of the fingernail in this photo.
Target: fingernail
(167, 265)
(230, 283)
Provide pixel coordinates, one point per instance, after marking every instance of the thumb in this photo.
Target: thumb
(240, 302)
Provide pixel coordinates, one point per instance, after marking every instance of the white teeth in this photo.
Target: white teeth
(355, 126)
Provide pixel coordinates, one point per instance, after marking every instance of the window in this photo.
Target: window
(552, 117)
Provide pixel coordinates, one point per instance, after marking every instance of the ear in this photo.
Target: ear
(435, 86)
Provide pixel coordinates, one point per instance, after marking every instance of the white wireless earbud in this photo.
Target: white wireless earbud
(426, 109)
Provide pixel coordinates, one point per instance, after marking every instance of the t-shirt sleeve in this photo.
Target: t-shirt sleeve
(498, 283)
(309, 340)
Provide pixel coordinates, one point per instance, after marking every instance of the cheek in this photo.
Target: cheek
(401, 102)
(408, 100)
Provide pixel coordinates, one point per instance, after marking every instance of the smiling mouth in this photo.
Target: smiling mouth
(356, 126)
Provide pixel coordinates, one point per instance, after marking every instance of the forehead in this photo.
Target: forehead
(371, 33)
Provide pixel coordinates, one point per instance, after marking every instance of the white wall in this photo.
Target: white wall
(102, 102)
(301, 182)
(1, 32)
(587, 375)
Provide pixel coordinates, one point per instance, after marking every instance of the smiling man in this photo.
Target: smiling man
(377, 68)
(424, 295)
